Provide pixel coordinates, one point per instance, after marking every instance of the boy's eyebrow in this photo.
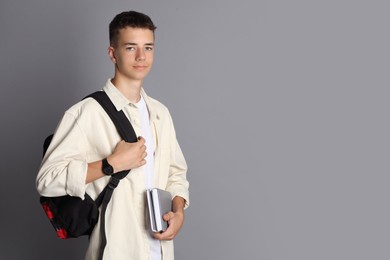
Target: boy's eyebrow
(132, 43)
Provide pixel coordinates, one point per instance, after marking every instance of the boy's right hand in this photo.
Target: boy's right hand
(127, 156)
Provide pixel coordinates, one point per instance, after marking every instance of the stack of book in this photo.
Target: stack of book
(159, 203)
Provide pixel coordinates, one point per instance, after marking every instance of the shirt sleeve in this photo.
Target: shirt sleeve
(64, 167)
(177, 180)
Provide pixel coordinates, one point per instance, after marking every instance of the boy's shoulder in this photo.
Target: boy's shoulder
(85, 107)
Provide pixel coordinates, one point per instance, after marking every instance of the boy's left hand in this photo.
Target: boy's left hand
(175, 222)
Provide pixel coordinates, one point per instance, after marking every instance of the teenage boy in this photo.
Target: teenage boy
(86, 141)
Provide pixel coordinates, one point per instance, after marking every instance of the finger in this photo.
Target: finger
(143, 162)
(168, 216)
(141, 140)
(166, 235)
(158, 236)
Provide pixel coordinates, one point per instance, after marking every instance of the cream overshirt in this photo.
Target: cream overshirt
(86, 134)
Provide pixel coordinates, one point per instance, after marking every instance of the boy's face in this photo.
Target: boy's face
(133, 53)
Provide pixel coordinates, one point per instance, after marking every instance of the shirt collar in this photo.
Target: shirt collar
(117, 98)
(120, 101)
(152, 111)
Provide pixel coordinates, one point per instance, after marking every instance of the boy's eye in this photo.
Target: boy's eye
(149, 48)
(130, 48)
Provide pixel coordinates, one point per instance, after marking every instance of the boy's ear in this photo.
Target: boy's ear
(111, 54)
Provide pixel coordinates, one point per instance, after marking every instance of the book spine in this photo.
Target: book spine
(152, 218)
(157, 210)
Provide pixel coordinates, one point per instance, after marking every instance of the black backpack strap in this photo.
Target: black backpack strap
(120, 121)
(119, 118)
(126, 131)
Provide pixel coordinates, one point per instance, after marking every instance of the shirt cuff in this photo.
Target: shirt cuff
(77, 174)
(184, 194)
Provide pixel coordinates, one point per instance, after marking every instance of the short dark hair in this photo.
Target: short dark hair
(129, 19)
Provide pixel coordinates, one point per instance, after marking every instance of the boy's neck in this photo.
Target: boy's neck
(130, 89)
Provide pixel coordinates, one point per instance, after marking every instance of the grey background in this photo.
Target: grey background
(281, 108)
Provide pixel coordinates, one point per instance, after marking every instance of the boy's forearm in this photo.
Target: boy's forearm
(178, 204)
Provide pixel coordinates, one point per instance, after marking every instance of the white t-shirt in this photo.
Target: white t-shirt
(155, 245)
